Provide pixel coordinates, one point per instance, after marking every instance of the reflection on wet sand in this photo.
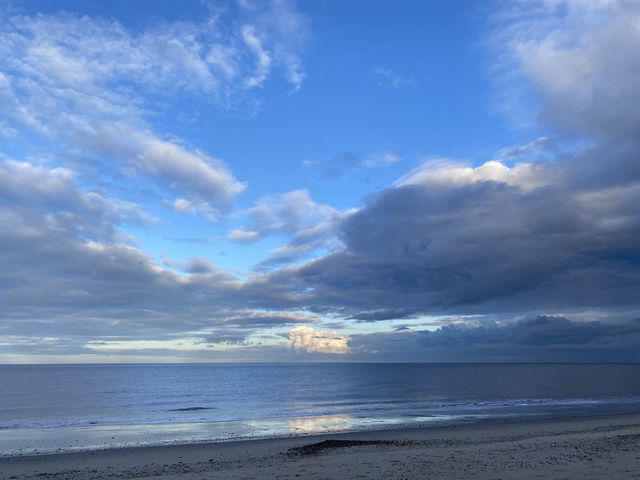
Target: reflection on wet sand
(319, 424)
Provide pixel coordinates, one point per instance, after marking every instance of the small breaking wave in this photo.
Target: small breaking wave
(190, 409)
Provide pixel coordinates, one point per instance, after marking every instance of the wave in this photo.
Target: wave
(190, 409)
(363, 410)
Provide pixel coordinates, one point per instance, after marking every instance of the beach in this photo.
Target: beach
(567, 448)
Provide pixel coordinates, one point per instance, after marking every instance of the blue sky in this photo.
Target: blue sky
(350, 106)
(354, 181)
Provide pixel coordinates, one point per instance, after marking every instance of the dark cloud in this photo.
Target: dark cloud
(261, 319)
(384, 314)
(535, 236)
(480, 247)
(70, 275)
(542, 338)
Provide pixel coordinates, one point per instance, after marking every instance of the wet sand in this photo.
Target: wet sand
(585, 448)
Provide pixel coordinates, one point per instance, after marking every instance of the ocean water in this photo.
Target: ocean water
(68, 407)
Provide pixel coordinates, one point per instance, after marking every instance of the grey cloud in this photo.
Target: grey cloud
(384, 314)
(194, 266)
(68, 270)
(228, 339)
(262, 319)
(309, 225)
(554, 236)
(543, 236)
(581, 59)
(537, 147)
(77, 281)
(49, 195)
(480, 247)
(199, 266)
(534, 339)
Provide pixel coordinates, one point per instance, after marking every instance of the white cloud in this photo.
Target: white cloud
(263, 58)
(243, 236)
(526, 176)
(580, 57)
(88, 85)
(285, 31)
(316, 341)
(183, 205)
(381, 160)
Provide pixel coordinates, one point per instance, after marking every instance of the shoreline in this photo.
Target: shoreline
(528, 446)
(437, 422)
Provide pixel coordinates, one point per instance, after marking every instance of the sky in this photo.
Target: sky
(280, 181)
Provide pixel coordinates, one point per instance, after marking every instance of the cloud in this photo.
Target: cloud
(196, 266)
(434, 173)
(382, 314)
(310, 225)
(541, 146)
(70, 274)
(266, 318)
(388, 78)
(586, 88)
(183, 205)
(316, 341)
(263, 59)
(555, 233)
(180, 169)
(35, 196)
(383, 159)
(484, 245)
(289, 212)
(278, 25)
(243, 236)
(88, 85)
(552, 338)
(347, 163)
(536, 231)
(563, 49)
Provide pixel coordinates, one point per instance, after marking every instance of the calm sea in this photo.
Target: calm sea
(45, 408)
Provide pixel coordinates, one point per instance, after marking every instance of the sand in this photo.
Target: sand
(598, 447)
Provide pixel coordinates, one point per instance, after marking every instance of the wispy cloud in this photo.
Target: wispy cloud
(308, 224)
(388, 78)
(344, 164)
(92, 86)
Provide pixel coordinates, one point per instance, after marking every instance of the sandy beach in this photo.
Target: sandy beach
(597, 447)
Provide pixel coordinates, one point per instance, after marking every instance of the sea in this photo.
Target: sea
(54, 408)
